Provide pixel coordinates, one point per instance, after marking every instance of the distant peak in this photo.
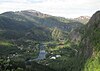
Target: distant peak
(83, 17)
(32, 13)
(29, 10)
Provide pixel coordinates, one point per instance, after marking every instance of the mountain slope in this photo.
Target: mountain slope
(14, 29)
(39, 26)
(41, 19)
(89, 53)
(88, 48)
(93, 42)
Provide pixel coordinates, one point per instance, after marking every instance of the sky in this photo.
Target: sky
(63, 8)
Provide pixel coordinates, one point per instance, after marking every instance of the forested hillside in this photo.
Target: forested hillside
(33, 24)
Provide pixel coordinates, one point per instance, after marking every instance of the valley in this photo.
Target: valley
(33, 41)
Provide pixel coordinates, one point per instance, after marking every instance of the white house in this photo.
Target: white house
(53, 57)
(58, 55)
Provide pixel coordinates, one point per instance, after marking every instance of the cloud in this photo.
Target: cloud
(64, 8)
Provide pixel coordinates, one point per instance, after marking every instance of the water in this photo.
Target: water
(42, 53)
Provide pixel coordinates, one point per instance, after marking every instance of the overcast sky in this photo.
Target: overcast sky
(63, 8)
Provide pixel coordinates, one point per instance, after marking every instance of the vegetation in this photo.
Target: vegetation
(7, 64)
(70, 46)
(94, 62)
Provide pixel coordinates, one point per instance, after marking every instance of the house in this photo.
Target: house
(58, 55)
(53, 57)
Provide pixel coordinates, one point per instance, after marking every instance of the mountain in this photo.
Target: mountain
(92, 43)
(82, 19)
(41, 19)
(32, 24)
(89, 51)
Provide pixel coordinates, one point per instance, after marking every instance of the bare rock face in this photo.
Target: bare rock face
(32, 13)
(75, 36)
(82, 19)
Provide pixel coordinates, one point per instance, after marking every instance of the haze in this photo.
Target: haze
(63, 8)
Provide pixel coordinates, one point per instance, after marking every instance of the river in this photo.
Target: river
(42, 52)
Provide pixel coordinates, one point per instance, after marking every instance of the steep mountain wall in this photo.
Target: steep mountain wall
(90, 44)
